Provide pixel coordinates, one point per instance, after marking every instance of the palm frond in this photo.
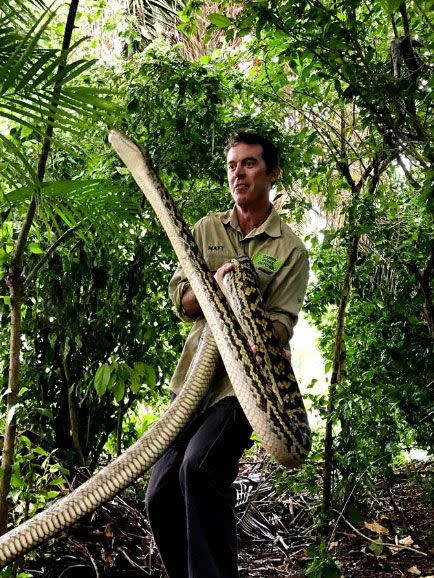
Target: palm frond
(20, 12)
(16, 160)
(29, 73)
(22, 53)
(103, 204)
(40, 63)
(149, 13)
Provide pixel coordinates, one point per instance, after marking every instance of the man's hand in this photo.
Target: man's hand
(221, 272)
(192, 308)
(190, 304)
(259, 359)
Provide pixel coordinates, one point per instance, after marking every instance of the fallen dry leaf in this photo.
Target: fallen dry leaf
(407, 541)
(376, 527)
(108, 532)
(414, 570)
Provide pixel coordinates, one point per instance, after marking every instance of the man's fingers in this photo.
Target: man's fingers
(221, 272)
(287, 354)
(253, 346)
(254, 349)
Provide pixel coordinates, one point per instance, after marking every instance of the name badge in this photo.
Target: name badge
(266, 262)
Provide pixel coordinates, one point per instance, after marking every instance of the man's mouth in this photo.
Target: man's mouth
(241, 187)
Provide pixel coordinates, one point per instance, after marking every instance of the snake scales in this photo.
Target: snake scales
(268, 393)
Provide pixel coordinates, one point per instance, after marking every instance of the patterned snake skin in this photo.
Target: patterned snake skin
(268, 392)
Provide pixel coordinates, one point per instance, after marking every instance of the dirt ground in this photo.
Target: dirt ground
(276, 535)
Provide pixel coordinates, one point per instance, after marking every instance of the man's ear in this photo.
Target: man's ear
(275, 174)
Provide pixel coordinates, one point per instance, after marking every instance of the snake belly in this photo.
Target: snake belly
(125, 469)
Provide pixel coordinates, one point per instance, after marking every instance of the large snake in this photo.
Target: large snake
(267, 391)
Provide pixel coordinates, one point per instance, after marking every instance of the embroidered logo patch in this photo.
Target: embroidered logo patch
(266, 262)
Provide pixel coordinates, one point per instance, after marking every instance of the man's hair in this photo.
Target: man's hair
(270, 154)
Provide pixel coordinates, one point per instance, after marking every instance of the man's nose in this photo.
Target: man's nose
(239, 170)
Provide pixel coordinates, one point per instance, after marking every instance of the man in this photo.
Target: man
(190, 499)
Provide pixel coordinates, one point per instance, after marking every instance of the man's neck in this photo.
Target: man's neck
(249, 219)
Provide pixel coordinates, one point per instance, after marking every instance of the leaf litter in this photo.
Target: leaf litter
(277, 532)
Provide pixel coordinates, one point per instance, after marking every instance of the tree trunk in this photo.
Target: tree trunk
(14, 280)
(336, 374)
(72, 410)
(119, 428)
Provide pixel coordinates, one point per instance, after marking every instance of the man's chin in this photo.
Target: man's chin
(242, 203)
(242, 200)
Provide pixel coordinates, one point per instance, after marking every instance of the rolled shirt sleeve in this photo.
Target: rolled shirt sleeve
(285, 294)
(179, 284)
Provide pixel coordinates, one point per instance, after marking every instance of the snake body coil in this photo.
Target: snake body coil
(268, 393)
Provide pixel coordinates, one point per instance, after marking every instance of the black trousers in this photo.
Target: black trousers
(190, 499)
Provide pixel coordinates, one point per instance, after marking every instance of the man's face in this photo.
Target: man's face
(249, 180)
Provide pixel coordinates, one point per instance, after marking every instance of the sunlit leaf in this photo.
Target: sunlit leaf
(101, 379)
(219, 20)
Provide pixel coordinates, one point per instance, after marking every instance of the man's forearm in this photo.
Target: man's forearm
(190, 304)
(191, 308)
(281, 333)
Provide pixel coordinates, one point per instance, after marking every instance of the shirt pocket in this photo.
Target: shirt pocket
(264, 280)
(216, 260)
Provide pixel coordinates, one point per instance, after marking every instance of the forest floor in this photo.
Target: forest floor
(277, 536)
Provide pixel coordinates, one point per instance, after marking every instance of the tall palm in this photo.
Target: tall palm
(150, 15)
(37, 94)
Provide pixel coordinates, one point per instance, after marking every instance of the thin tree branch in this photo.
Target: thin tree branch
(332, 146)
(389, 545)
(48, 253)
(408, 174)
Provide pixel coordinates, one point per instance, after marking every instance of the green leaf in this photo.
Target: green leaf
(35, 248)
(52, 338)
(47, 412)
(135, 384)
(57, 481)
(119, 390)
(219, 20)
(376, 547)
(391, 6)
(140, 368)
(150, 376)
(52, 494)
(101, 379)
(17, 480)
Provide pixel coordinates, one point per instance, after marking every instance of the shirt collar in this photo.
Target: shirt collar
(271, 226)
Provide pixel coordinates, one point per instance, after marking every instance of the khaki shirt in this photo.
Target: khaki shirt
(280, 260)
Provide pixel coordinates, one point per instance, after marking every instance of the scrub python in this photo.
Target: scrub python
(267, 391)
